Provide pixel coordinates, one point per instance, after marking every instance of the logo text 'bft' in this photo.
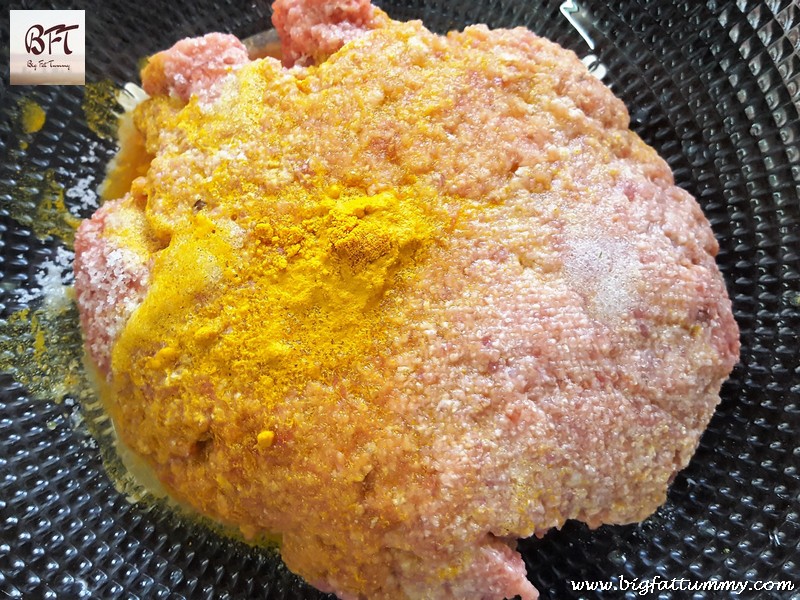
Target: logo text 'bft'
(34, 38)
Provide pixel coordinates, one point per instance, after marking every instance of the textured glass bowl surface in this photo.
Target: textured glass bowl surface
(713, 85)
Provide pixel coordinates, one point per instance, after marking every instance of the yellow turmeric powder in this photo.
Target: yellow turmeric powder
(259, 296)
(33, 116)
(286, 297)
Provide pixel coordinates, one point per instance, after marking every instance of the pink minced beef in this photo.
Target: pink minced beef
(561, 354)
(194, 66)
(311, 30)
(110, 277)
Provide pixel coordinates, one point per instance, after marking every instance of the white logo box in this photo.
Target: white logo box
(47, 47)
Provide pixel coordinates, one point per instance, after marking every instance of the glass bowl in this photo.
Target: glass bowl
(713, 85)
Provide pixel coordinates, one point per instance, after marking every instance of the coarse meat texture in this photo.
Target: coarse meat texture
(402, 300)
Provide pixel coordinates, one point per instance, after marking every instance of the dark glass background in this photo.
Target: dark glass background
(713, 85)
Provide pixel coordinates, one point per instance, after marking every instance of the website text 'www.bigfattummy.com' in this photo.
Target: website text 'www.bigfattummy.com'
(656, 584)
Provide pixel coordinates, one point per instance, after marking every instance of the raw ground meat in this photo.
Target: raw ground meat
(311, 30)
(194, 66)
(555, 356)
(110, 276)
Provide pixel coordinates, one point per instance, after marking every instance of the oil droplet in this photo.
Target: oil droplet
(32, 116)
(101, 108)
